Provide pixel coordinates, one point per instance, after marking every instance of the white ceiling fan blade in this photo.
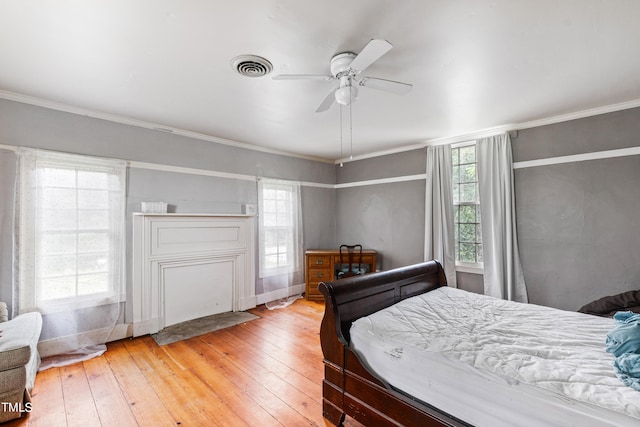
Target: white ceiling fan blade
(398, 88)
(302, 77)
(371, 52)
(327, 101)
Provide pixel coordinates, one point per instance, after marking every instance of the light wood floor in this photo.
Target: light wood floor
(267, 372)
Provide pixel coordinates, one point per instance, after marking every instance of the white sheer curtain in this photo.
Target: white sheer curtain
(8, 169)
(71, 240)
(503, 276)
(439, 240)
(280, 240)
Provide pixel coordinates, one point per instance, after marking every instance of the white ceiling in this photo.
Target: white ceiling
(474, 64)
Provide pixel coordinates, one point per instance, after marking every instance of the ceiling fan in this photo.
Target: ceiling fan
(346, 68)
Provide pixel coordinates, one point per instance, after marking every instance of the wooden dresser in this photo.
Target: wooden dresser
(321, 267)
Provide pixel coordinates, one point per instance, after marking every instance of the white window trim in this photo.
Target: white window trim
(470, 267)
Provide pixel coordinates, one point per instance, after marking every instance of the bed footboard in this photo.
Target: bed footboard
(348, 388)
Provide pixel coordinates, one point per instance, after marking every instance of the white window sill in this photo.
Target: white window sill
(467, 267)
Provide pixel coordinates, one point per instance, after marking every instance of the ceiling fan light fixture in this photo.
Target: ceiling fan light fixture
(345, 95)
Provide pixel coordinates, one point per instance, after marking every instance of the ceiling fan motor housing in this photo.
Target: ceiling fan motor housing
(340, 63)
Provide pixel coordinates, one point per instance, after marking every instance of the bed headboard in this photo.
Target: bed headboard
(357, 296)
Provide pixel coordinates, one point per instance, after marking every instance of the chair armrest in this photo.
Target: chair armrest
(4, 313)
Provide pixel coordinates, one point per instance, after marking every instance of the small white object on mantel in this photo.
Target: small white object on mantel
(153, 207)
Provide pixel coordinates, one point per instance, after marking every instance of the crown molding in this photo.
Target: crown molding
(483, 133)
(58, 106)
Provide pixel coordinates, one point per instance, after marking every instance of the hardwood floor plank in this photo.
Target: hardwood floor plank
(168, 384)
(267, 372)
(111, 404)
(253, 376)
(78, 401)
(146, 406)
(224, 386)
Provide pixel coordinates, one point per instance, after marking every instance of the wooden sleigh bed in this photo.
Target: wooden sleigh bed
(350, 388)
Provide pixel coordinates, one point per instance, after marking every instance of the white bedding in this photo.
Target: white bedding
(492, 362)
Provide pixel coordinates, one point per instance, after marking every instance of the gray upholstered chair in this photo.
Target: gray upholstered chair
(19, 361)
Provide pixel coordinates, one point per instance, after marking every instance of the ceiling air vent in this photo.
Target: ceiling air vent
(251, 65)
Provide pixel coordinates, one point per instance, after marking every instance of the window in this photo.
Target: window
(466, 201)
(71, 231)
(279, 227)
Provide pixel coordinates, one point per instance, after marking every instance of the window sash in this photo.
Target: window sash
(71, 231)
(466, 201)
(278, 216)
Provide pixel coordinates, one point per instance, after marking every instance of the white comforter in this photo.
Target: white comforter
(559, 351)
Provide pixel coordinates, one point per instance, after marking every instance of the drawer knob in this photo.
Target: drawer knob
(320, 275)
(319, 261)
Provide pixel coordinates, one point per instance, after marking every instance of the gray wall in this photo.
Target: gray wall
(32, 126)
(388, 217)
(578, 223)
(578, 230)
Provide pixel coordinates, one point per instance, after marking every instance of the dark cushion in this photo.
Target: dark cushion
(609, 305)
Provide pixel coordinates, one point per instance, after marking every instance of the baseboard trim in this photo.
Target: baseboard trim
(69, 343)
(280, 293)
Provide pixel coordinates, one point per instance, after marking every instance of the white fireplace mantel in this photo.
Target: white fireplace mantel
(187, 266)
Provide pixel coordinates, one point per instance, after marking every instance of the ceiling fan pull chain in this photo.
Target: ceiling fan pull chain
(341, 151)
(350, 129)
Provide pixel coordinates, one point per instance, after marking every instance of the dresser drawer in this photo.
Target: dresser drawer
(318, 275)
(319, 261)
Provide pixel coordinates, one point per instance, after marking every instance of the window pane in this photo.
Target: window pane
(93, 219)
(269, 206)
(468, 193)
(467, 213)
(468, 154)
(468, 173)
(456, 194)
(92, 263)
(57, 177)
(271, 261)
(58, 287)
(283, 219)
(58, 198)
(93, 283)
(270, 219)
(467, 233)
(88, 179)
(467, 252)
(56, 265)
(58, 219)
(93, 199)
(93, 242)
(57, 243)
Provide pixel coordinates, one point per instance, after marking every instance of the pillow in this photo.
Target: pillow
(609, 305)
